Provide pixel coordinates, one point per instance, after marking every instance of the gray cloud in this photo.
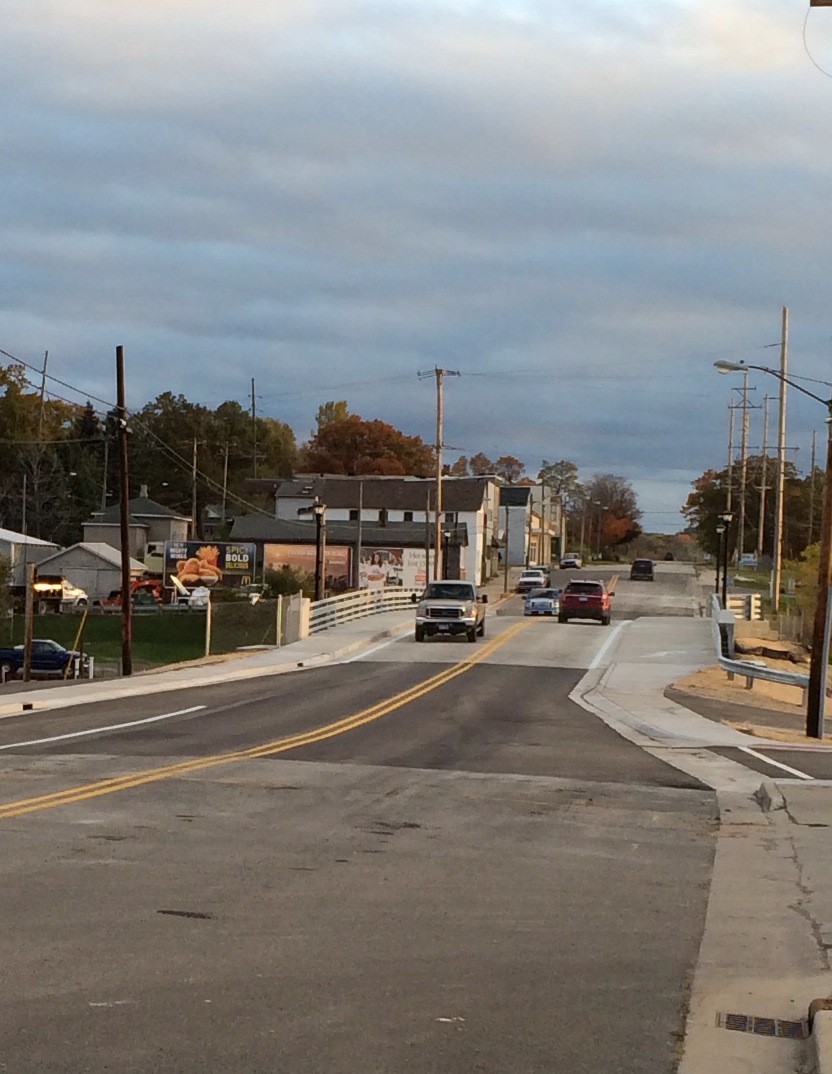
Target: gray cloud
(580, 210)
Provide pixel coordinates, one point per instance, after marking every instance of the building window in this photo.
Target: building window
(353, 514)
(382, 516)
(408, 516)
(450, 518)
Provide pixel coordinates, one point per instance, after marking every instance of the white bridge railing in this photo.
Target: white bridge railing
(332, 611)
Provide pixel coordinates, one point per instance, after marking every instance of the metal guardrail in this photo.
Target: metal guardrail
(722, 630)
(325, 614)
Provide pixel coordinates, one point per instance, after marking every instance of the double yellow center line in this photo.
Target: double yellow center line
(266, 749)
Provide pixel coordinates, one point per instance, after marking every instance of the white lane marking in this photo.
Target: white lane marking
(599, 656)
(776, 764)
(101, 730)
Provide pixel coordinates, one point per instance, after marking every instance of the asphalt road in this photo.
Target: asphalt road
(426, 860)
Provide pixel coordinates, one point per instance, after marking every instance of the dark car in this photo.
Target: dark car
(641, 570)
(669, 557)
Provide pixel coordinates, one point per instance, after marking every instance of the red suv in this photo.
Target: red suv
(584, 599)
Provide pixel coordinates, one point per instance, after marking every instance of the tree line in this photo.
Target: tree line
(58, 461)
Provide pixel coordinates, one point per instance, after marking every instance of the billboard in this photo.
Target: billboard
(380, 567)
(301, 557)
(203, 563)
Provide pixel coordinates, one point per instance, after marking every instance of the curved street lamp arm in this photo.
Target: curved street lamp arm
(739, 367)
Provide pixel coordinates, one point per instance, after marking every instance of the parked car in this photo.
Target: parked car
(48, 658)
(641, 570)
(669, 557)
(532, 579)
(585, 599)
(542, 602)
(571, 561)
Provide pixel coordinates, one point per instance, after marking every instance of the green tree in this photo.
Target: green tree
(709, 499)
(331, 411)
(562, 478)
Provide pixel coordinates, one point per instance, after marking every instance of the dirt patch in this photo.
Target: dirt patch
(714, 683)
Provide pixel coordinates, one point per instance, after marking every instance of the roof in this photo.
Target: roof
(377, 492)
(288, 531)
(140, 507)
(22, 538)
(112, 556)
(514, 495)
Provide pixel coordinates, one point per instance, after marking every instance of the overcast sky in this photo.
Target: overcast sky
(579, 207)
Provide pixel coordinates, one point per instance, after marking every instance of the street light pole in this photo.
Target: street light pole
(720, 531)
(816, 693)
(727, 518)
(319, 510)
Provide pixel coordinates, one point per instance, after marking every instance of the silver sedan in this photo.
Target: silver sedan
(542, 602)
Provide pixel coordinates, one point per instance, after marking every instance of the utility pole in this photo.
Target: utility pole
(193, 495)
(224, 482)
(440, 375)
(253, 428)
(440, 417)
(763, 486)
(42, 395)
(359, 537)
(29, 624)
(812, 492)
(124, 517)
(729, 492)
(777, 557)
(743, 467)
(104, 476)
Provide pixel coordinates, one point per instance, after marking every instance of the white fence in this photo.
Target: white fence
(332, 611)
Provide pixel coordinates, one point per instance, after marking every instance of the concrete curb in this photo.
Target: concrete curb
(187, 677)
(769, 796)
(820, 1039)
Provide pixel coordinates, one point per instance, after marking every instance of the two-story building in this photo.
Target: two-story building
(394, 513)
(150, 525)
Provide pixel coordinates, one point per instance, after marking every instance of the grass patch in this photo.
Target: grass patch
(158, 637)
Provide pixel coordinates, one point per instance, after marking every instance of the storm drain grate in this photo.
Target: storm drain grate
(763, 1027)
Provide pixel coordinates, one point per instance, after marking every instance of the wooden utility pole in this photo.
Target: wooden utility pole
(812, 490)
(440, 417)
(29, 625)
(440, 375)
(124, 516)
(777, 558)
(224, 482)
(194, 532)
(42, 397)
(253, 429)
(763, 487)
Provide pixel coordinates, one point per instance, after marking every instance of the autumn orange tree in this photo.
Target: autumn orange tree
(352, 445)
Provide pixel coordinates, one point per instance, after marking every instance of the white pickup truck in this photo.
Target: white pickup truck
(450, 606)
